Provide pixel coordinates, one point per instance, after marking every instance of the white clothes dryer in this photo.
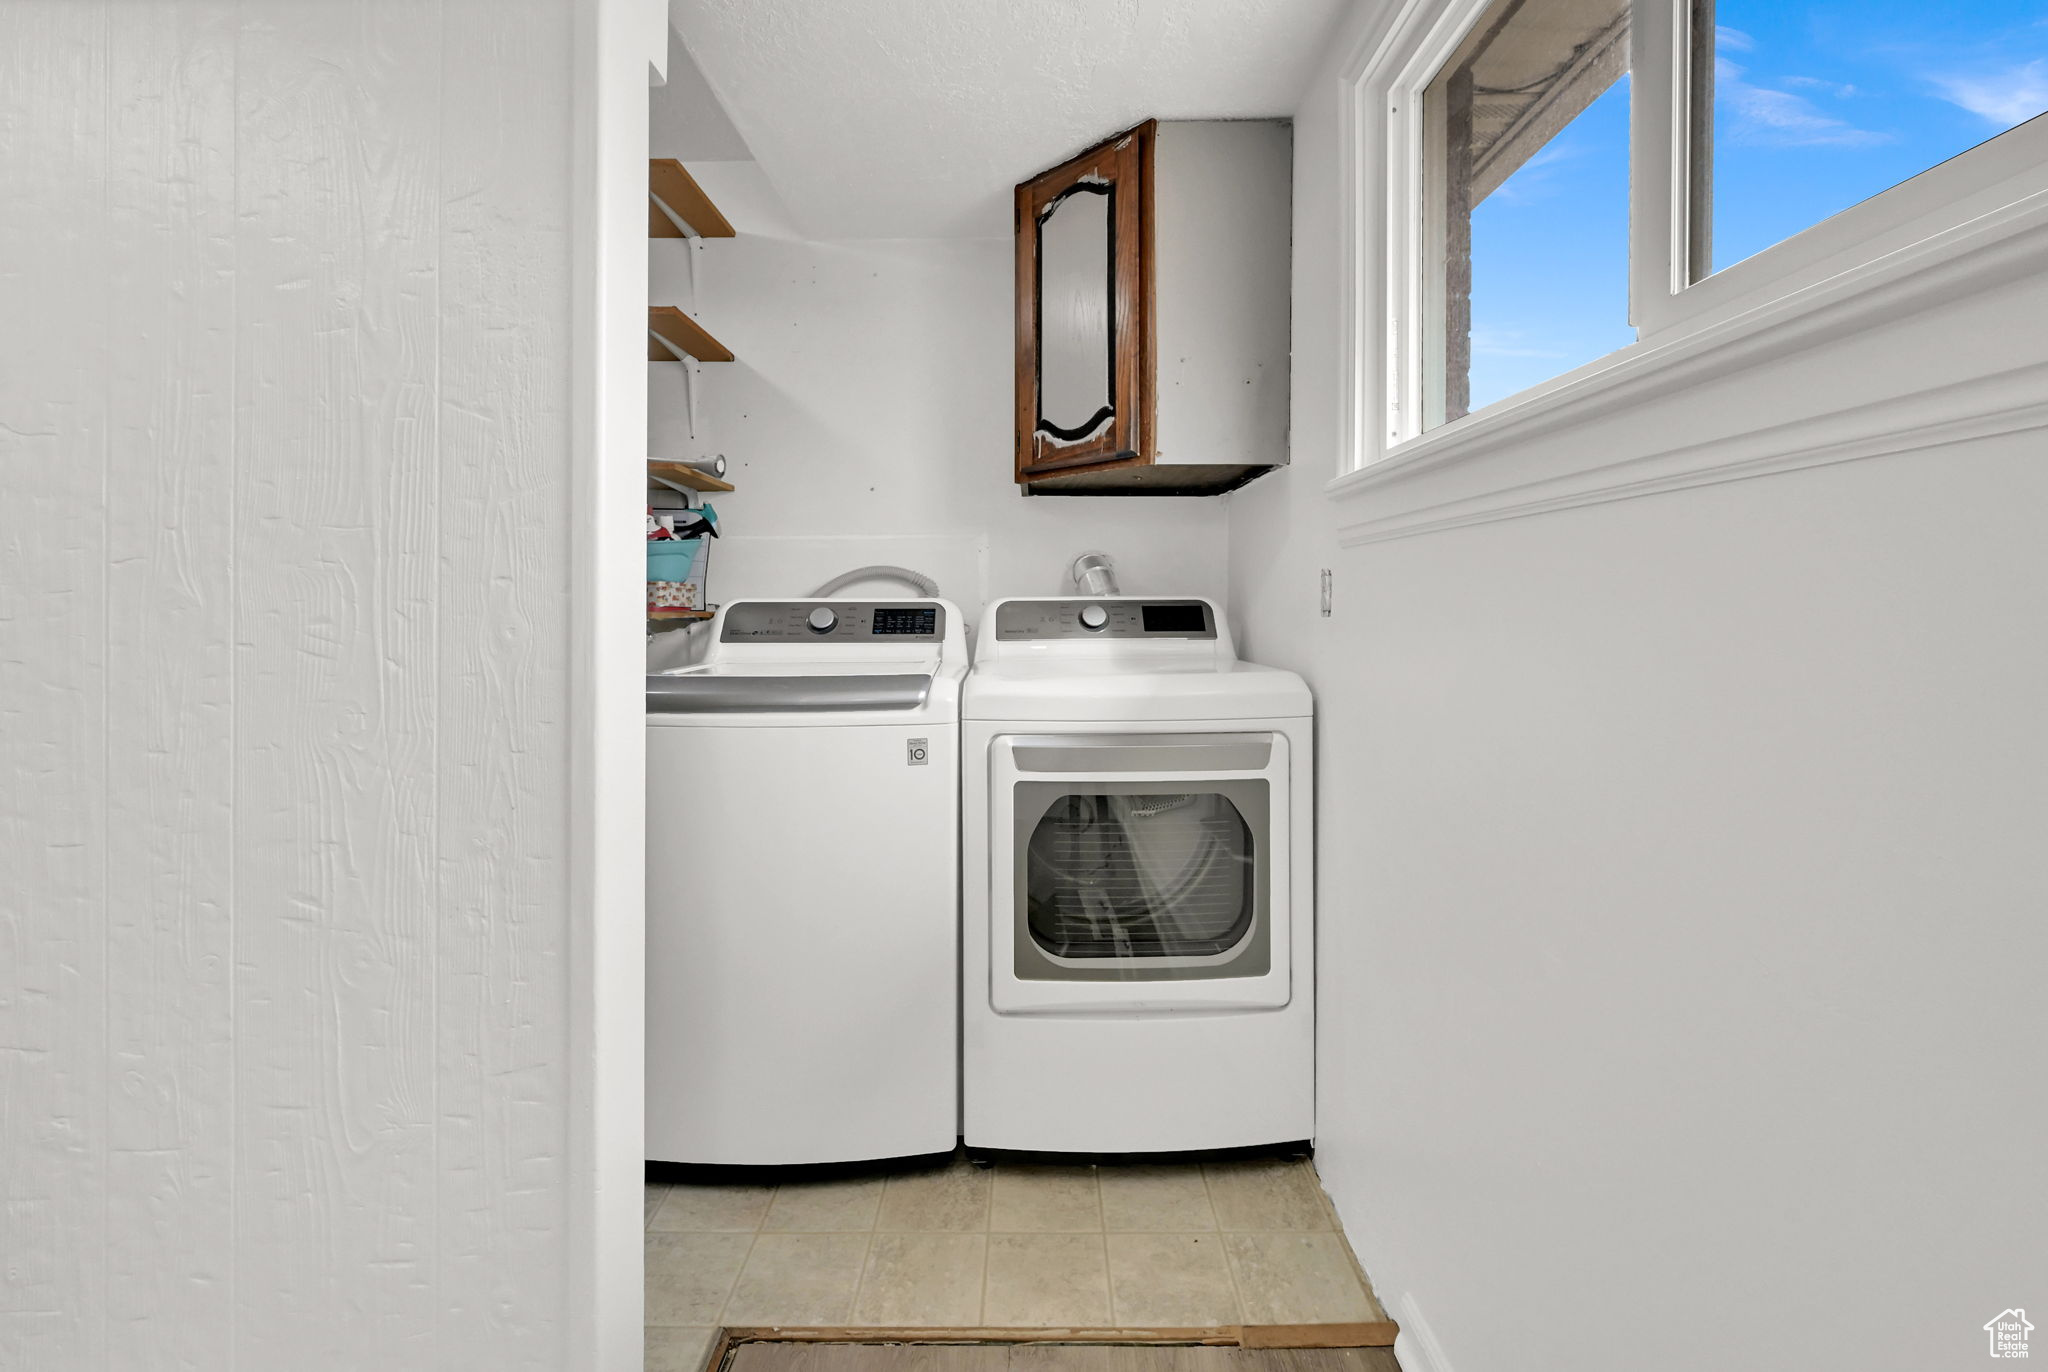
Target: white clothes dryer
(803, 896)
(1137, 884)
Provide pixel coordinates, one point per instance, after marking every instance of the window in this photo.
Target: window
(1801, 111)
(1525, 176)
(1566, 180)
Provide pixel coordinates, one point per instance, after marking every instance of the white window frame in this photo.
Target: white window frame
(1994, 173)
(1979, 212)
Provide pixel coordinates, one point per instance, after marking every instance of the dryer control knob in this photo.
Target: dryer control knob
(1093, 616)
(822, 620)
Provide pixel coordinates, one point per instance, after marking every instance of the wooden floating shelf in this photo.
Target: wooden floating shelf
(685, 476)
(664, 615)
(688, 336)
(669, 185)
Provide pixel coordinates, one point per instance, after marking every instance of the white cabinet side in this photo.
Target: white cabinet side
(1222, 250)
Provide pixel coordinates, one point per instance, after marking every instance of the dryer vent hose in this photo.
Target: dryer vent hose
(1094, 574)
(924, 584)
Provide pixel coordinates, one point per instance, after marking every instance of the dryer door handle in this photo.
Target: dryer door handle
(1098, 754)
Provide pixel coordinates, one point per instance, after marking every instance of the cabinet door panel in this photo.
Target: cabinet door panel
(1076, 313)
(1084, 295)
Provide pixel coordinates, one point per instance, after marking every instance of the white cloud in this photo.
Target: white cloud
(2004, 98)
(1816, 84)
(1500, 342)
(1735, 40)
(1780, 119)
(1532, 180)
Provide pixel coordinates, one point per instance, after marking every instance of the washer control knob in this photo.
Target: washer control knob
(822, 619)
(1093, 616)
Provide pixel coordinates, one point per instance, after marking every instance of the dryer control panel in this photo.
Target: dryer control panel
(1028, 620)
(840, 621)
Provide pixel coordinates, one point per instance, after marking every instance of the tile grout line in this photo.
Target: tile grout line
(1344, 1241)
(988, 1225)
(754, 1237)
(867, 1255)
(1244, 1310)
(667, 1194)
(1102, 1223)
(1336, 1223)
(875, 1231)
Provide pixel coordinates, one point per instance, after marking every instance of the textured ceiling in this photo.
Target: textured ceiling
(914, 118)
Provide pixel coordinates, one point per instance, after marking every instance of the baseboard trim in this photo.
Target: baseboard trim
(1415, 1347)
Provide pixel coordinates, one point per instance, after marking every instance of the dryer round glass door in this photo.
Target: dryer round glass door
(1123, 880)
(1138, 872)
(1144, 875)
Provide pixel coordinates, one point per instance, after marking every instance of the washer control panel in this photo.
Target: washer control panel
(1026, 620)
(839, 621)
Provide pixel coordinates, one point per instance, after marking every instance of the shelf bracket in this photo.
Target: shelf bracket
(677, 353)
(691, 499)
(682, 225)
(690, 397)
(690, 365)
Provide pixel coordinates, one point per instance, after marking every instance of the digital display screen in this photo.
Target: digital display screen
(906, 621)
(1174, 619)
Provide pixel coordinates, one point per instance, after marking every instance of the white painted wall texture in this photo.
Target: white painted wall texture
(1680, 884)
(283, 614)
(868, 419)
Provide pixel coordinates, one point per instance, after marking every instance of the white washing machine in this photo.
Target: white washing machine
(1137, 884)
(803, 886)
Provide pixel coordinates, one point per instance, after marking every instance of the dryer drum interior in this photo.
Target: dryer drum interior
(1140, 876)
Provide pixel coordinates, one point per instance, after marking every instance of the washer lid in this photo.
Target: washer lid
(715, 691)
(1072, 690)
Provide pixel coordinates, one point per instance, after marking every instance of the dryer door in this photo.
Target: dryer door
(1138, 872)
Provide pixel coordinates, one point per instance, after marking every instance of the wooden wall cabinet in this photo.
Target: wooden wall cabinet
(1153, 280)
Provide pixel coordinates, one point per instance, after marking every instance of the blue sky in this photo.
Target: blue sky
(1817, 107)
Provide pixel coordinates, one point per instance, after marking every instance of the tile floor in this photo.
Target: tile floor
(1020, 1245)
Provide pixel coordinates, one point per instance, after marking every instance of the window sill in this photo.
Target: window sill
(1409, 490)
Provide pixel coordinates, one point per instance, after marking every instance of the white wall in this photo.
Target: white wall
(1681, 892)
(284, 794)
(868, 419)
